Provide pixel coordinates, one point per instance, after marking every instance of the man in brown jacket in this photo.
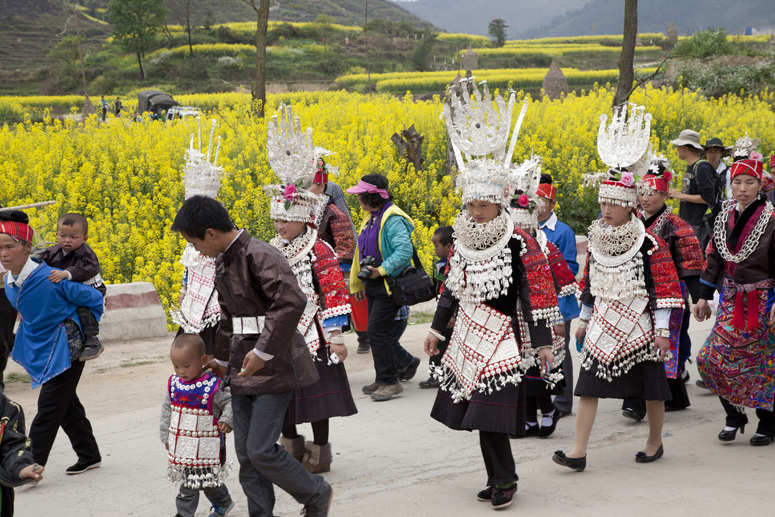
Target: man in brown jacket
(259, 353)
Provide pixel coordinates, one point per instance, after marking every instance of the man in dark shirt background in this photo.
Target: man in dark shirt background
(698, 190)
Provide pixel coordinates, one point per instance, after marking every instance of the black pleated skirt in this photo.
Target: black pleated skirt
(499, 412)
(329, 397)
(646, 380)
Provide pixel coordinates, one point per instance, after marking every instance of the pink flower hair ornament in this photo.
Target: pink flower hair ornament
(523, 201)
(627, 179)
(290, 192)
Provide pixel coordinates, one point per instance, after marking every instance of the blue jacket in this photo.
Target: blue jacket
(563, 237)
(395, 245)
(41, 340)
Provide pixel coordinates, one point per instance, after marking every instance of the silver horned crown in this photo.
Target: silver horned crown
(626, 139)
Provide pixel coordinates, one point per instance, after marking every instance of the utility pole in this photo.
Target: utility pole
(88, 108)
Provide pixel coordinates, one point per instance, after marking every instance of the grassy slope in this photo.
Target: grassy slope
(29, 29)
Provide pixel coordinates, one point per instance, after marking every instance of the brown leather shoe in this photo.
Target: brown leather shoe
(387, 392)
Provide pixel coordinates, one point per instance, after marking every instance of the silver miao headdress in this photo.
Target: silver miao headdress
(744, 146)
(292, 155)
(201, 176)
(525, 202)
(479, 134)
(621, 145)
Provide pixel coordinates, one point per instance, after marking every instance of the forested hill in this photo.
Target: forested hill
(544, 18)
(607, 16)
(29, 29)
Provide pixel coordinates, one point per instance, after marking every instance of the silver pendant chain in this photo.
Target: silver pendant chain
(720, 233)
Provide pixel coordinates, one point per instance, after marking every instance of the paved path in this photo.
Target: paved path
(393, 460)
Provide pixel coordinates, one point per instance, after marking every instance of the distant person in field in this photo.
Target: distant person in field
(119, 106)
(73, 259)
(105, 107)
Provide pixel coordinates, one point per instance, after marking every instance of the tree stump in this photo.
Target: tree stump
(409, 144)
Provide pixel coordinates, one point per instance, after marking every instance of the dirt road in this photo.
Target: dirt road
(392, 459)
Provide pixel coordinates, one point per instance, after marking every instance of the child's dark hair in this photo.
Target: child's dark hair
(546, 178)
(378, 181)
(199, 213)
(445, 234)
(191, 341)
(73, 219)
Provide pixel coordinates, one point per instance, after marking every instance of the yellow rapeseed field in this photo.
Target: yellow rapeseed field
(126, 177)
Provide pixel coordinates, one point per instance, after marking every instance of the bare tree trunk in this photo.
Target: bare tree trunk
(626, 71)
(88, 108)
(188, 28)
(142, 68)
(259, 85)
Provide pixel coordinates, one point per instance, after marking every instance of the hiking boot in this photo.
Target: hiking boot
(92, 348)
(364, 347)
(370, 388)
(411, 370)
(221, 511)
(387, 392)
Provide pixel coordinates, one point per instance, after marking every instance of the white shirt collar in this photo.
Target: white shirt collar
(235, 238)
(28, 268)
(550, 223)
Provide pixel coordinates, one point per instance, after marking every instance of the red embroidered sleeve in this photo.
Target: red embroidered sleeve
(543, 297)
(343, 233)
(688, 257)
(583, 294)
(335, 300)
(564, 279)
(663, 272)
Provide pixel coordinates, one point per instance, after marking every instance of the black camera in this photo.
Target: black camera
(368, 261)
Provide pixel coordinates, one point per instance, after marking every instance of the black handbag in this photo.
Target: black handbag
(413, 285)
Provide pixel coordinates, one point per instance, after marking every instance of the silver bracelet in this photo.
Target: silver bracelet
(338, 339)
(441, 338)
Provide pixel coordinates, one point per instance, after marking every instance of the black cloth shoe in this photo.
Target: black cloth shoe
(411, 370)
(486, 494)
(532, 430)
(92, 348)
(577, 464)
(430, 383)
(547, 430)
(761, 439)
(641, 457)
(364, 347)
(82, 466)
(631, 413)
(502, 497)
